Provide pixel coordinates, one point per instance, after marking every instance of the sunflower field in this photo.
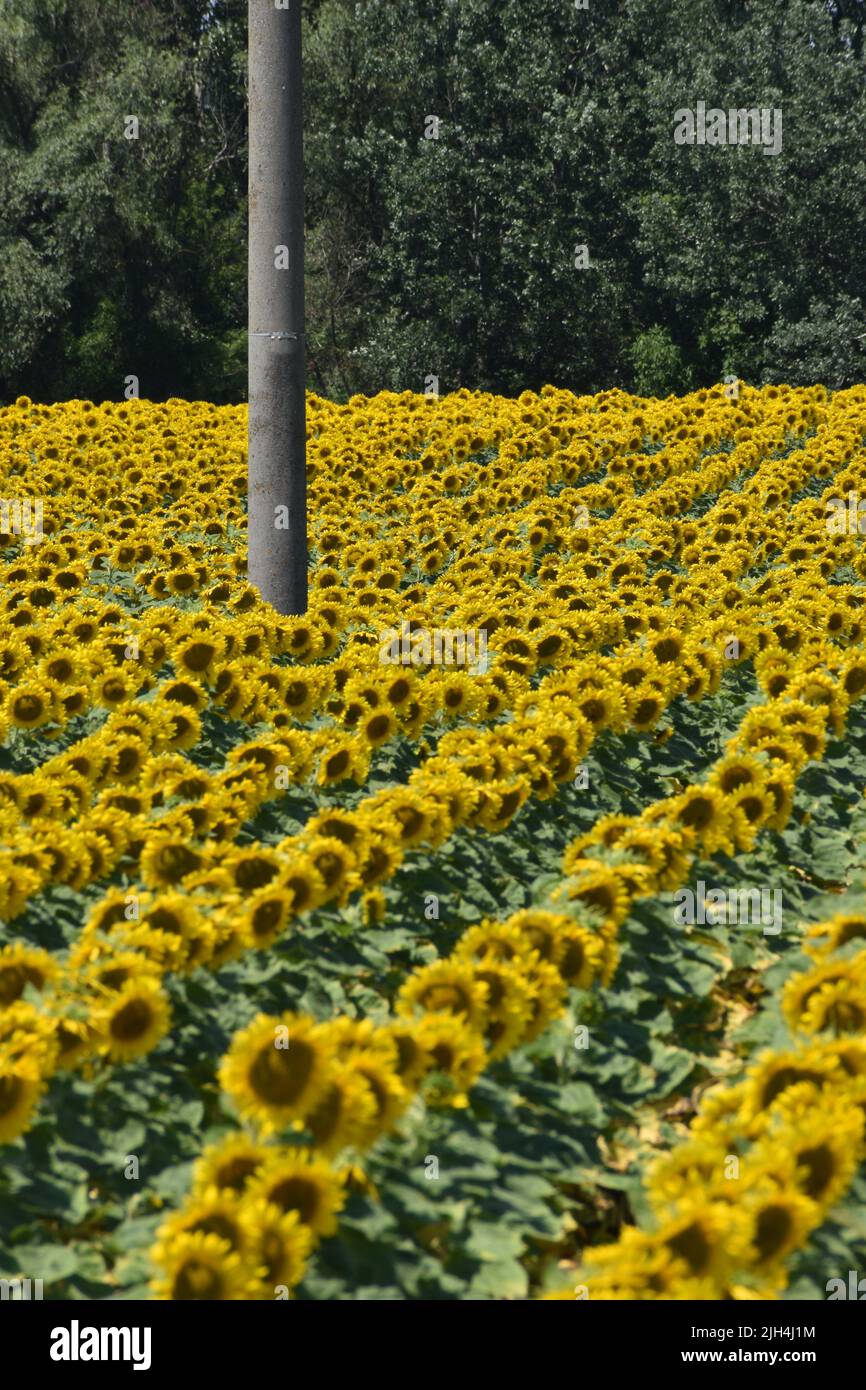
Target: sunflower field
(331, 969)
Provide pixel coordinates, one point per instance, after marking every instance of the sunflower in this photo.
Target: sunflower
(390, 1096)
(708, 1240)
(303, 882)
(199, 1265)
(22, 966)
(578, 955)
(252, 869)
(734, 773)
(33, 704)
(603, 708)
(335, 865)
(775, 1072)
(266, 916)
(703, 813)
(196, 657)
(185, 692)
(781, 1221)
(412, 813)
(823, 693)
(600, 888)
(645, 707)
(229, 1165)
(279, 1247)
(663, 851)
(836, 932)
(509, 1005)
(299, 1181)
(411, 1059)
(809, 996)
(346, 826)
(445, 986)
(275, 1085)
(696, 1164)
(183, 726)
(167, 859)
(75, 1041)
(346, 1112)
(115, 968)
(457, 1057)
(128, 756)
(377, 728)
(823, 1149)
(499, 803)
(212, 1211)
(547, 998)
(21, 1086)
(539, 929)
(780, 785)
(133, 1020)
(342, 757)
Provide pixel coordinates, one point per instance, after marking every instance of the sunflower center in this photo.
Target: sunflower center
(331, 867)
(254, 873)
(11, 1088)
(175, 862)
(326, 1117)
(336, 765)
(236, 1172)
(281, 1075)
(450, 997)
(646, 710)
(495, 985)
(198, 656)
(273, 1254)
(785, 1077)
(443, 1055)
(12, 981)
(698, 813)
(540, 940)
(572, 962)
(600, 897)
(296, 1194)
(196, 1280)
(407, 1052)
(820, 1165)
(668, 649)
(266, 917)
(594, 710)
(132, 1021)
(218, 1225)
(692, 1246)
(27, 708)
(772, 1229)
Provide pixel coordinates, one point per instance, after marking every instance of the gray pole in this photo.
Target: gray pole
(277, 563)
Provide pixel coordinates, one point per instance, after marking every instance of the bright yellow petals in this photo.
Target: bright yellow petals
(133, 1021)
(277, 1070)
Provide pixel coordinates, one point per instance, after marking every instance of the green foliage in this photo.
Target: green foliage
(456, 256)
(658, 364)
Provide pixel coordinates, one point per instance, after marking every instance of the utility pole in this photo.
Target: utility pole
(277, 519)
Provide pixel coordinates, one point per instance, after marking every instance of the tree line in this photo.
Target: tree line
(495, 197)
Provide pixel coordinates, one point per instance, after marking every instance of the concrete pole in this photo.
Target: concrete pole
(277, 563)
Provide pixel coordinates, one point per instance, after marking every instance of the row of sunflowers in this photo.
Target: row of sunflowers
(201, 781)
